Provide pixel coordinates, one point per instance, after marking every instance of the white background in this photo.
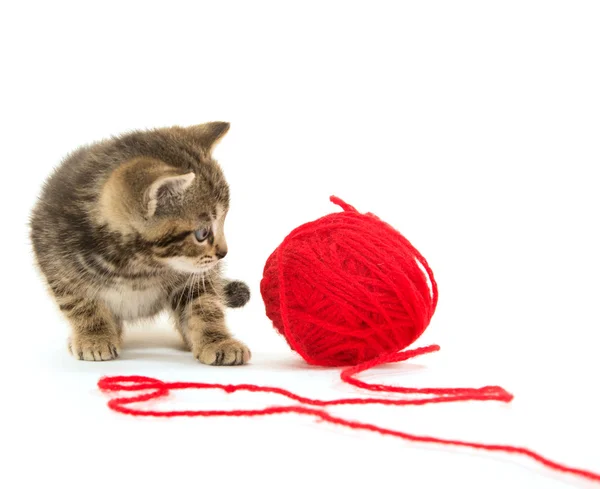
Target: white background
(472, 127)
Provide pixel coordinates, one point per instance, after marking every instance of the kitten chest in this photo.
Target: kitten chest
(128, 302)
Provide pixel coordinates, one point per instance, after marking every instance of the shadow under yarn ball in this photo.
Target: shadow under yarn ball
(347, 288)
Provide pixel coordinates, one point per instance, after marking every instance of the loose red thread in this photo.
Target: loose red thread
(153, 389)
(345, 290)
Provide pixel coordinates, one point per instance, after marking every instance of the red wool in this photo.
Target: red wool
(347, 288)
(151, 389)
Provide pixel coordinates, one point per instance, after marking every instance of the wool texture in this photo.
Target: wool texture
(150, 389)
(347, 288)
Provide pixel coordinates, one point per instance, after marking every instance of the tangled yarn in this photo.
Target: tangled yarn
(347, 288)
(147, 389)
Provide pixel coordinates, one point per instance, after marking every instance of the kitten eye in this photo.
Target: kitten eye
(202, 234)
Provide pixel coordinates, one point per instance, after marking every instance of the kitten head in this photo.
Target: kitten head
(171, 195)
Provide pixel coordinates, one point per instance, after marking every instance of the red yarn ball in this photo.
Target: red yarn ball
(347, 288)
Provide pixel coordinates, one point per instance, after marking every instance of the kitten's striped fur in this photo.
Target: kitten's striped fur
(132, 225)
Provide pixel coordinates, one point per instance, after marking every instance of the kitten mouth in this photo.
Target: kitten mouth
(205, 268)
(184, 266)
(207, 265)
(202, 268)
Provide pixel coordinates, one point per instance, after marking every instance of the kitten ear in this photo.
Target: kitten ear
(209, 134)
(165, 189)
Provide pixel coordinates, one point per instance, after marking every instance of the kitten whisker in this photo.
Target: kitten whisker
(182, 293)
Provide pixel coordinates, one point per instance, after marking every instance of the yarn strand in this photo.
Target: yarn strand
(350, 291)
(150, 389)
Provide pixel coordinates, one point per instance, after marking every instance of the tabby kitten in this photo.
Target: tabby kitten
(133, 225)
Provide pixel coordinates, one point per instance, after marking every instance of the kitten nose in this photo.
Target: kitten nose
(221, 254)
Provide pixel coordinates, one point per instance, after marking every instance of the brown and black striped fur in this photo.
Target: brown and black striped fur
(133, 225)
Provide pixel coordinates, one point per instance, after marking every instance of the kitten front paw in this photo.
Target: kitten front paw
(237, 293)
(226, 352)
(92, 348)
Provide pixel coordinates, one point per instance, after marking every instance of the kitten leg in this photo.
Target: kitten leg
(178, 310)
(95, 334)
(119, 328)
(202, 323)
(180, 323)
